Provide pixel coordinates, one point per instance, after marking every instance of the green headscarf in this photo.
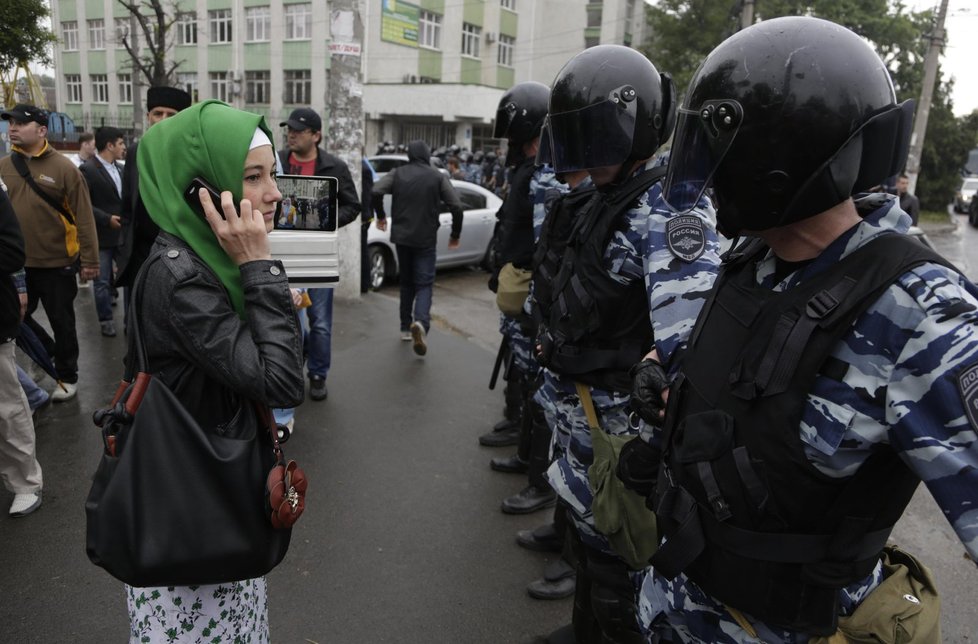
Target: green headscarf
(209, 140)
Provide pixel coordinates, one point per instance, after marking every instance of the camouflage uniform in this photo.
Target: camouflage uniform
(676, 291)
(909, 359)
(543, 183)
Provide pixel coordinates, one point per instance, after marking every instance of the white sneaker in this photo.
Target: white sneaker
(405, 336)
(64, 391)
(418, 334)
(24, 504)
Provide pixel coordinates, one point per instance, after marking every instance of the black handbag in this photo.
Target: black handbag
(176, 504)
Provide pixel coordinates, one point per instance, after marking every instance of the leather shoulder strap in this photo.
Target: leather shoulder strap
(21, 166)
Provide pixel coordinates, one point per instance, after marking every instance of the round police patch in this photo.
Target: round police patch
(685, 236)
(968, 388)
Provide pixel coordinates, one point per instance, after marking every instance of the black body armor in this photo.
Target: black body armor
(594, 327)
(747, 517)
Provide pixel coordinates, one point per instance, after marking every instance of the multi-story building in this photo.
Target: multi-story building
(258, 55)
(433, 69)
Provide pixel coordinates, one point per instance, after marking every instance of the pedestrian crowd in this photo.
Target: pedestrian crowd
(721, 442)
(483, 168)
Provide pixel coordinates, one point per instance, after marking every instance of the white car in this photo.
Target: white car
(384, 163)
(480, 206)
(962, 199)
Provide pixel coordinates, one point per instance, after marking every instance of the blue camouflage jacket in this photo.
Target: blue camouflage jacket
(910, 386)
(677, 289)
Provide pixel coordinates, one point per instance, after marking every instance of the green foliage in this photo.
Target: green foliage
(949, 139)
(684, 32)
(23, 39)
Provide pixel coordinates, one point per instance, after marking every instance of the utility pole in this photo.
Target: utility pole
(746, 14)
(926, 96)
(137, 77)
(344, 102)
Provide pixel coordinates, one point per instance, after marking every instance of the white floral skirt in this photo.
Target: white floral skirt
(236, 611)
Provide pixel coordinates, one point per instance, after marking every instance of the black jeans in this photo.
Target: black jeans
(417, 269)
(55, 289)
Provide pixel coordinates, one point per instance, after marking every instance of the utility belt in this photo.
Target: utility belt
(602, 367)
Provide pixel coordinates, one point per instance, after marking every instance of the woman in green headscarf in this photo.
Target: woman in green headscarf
(217, 319)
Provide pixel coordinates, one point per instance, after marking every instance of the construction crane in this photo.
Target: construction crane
(19, 85)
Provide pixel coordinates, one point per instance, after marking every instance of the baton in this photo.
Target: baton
(500, 356)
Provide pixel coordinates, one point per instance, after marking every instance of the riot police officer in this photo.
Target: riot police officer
(610, 109)
(833, 367)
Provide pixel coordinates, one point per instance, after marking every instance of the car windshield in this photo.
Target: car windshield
(970, 184)
(386, 165)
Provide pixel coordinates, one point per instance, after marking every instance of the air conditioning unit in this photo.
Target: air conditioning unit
(490, 37)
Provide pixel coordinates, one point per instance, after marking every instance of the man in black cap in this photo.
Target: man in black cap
(52, 203)
(138, 230)
(305, 157)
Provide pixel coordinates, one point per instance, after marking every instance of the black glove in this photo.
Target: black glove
(638, 466)
(649, 380)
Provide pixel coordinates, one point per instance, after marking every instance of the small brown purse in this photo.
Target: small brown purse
(285, 494)
(286, 484)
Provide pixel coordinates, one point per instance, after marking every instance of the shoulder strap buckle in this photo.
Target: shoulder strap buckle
(821, 305)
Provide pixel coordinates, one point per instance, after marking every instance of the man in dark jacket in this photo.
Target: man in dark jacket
(103, 174)
(139, 231)
(304, 156)
(418, 191)
(19, 469)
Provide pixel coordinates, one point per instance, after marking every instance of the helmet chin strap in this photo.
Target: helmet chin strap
(624, 174)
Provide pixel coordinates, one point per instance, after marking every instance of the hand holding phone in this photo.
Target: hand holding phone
(244, 239)
(192, 196)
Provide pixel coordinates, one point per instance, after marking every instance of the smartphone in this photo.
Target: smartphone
(191, 196)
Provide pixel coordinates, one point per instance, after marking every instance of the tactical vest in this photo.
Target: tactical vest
(515, 239)
(549, 252)
(747, 517)
(596, 328)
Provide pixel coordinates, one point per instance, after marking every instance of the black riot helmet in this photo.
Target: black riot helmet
(786, 119)
(608, 106)
(519, 116)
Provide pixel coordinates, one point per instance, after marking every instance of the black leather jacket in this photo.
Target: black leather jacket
(11, 259)
(195, 341)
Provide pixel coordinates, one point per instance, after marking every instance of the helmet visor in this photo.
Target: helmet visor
(504, 118)
(596, 136)
(704, 135)
(545, 149)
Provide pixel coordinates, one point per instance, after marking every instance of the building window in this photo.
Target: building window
(125, 88)
(504, 54)
(220, 25)
(429, 28)
(96, 34)
(186, 26)
(298, 86)
(100, 88)
(470, 39)
(187, 81)
(591, 41)
(220, 86)
(594, 17)
(73, 87)
(298, 21)
(258, 87)
(121, 31)
(508, 4)
(69, 34)
(258, 23)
